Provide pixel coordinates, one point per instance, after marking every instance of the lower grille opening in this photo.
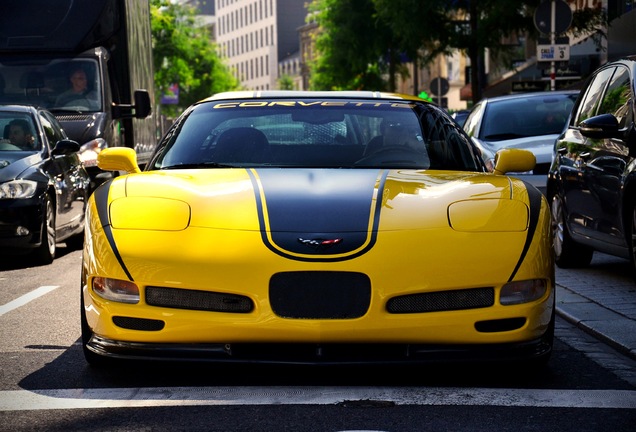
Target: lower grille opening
(442, 301)
(179, 298)
(320, 294)
(500, 325)
(142, 324)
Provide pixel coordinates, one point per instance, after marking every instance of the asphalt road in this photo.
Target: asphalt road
(45, 383)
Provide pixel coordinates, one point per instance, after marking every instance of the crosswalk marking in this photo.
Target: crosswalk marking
(21, 400)
(21, 301)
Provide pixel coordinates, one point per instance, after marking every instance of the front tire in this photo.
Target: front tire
(91, 358)
(567, 253)
(630, 234)
(45, 253)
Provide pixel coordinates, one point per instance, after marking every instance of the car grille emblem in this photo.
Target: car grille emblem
(320, 244)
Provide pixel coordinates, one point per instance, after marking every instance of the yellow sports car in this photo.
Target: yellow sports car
(317, 228)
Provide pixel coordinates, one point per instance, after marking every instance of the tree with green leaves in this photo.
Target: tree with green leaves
(442, 26)
(354, 48)
(184, 54)
(356, 36)
(285, 82)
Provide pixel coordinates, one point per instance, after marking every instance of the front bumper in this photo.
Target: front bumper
(20, 225)
(324, 354)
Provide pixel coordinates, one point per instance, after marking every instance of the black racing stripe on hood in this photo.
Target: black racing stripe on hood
(318, 213)
(101, 202)
(535, 197)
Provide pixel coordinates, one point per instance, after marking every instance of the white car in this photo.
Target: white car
(529, 121)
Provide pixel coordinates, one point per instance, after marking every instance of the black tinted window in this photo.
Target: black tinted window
(590, 104)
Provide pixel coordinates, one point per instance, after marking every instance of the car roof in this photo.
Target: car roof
(531, 94)
(19, 108)
(334, 94)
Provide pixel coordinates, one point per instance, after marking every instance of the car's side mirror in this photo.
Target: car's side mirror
(600, 126)
(141, 108)
(118, 159)
(514, 160)
(142, 104)
(65, 146)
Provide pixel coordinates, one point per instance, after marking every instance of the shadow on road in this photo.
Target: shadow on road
(568, 368)
(13, 261)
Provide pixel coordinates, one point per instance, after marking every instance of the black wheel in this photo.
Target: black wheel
(567, 253)
(541, 362)
(630, 233)
(45, 253)
(91, 358)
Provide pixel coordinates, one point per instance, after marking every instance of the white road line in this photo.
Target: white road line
(21, 400)
(21, 301)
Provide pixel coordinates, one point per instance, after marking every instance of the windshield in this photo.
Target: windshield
(58, 85)
(526, 116)
(316, 133)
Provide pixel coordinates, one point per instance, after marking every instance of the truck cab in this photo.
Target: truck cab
(106, 41)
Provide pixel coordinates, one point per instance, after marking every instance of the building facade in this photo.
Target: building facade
(259, 40)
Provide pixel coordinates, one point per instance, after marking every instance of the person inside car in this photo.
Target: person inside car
(79, 93)
(20, 134)
(394, 134)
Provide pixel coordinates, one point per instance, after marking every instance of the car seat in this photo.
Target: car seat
(243, 144)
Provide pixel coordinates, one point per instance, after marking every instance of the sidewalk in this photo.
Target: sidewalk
(601, 300)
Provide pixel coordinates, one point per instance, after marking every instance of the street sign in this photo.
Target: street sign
(439, 86)
(553, 52)
(562, 16)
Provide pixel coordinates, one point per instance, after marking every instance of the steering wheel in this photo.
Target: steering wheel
(395, 156)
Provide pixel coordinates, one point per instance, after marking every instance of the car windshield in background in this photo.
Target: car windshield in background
(526, 117)
(317, 133)
(57, 85)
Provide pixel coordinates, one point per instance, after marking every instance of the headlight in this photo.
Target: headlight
(522, 291)
(18, 189)
(89, 151)
(116, 290)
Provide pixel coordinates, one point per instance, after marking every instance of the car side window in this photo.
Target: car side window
(592, 99)
(53, 134)
(618, 97)
(473, 120)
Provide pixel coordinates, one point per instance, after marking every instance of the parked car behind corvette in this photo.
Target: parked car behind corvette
(44, 187)
(592, 180)
(320, 228)
(530, 121)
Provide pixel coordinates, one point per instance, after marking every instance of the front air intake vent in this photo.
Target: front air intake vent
(320, 294)
(442, 301)
(178, 298)
(141, 324)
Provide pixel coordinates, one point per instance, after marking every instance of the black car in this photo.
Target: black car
(44, 186)
(592, 179)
